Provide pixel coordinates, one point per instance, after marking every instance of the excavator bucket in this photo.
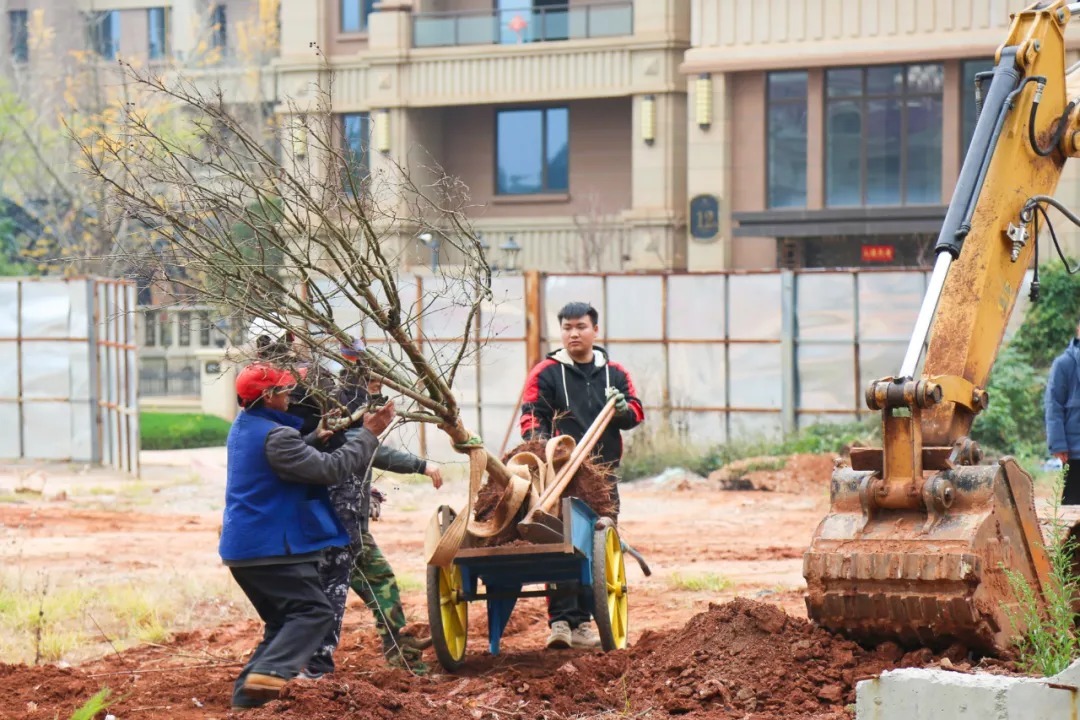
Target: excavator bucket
(930, 575)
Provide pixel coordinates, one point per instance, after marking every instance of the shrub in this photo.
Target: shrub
(1048, 642)
(1013, 423)
(178, 431)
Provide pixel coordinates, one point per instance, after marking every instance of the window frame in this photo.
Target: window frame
(967, 92)
(769, 103)
(163, 13)
(366, 133)
(863, 99)
(19, 37)
(366, 9)
(183, 330)
(545, 189)
(99, 20)
(204, 328)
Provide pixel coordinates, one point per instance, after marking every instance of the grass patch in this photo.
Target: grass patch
(650, 454)
(94, 706)
(179, 431)
(410, 583)
(46, 623)
(700, 582)
(1048, 640)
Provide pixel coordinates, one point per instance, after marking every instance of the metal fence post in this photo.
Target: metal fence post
(788, 364)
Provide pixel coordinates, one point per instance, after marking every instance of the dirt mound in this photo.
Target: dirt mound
(749, 657)
(740, 659)
(792, 474)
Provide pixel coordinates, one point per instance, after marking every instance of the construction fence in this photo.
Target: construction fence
(718, 356)
(68, 390)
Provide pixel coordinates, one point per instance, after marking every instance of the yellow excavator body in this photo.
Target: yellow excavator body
(920, 534)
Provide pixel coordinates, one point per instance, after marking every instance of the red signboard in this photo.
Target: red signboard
(878, 253)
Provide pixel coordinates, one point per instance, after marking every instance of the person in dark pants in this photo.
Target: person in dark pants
(563, 395)
(1062, 406)
(360, 564)
(278, 520)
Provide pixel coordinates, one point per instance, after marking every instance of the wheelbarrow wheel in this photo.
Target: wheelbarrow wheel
(448, 612)
(610, 609)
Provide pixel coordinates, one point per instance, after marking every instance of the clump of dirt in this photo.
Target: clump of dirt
(792, 474)
(750, 657)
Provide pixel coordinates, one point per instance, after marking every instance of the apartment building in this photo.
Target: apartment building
(566, 120)
(844, 125)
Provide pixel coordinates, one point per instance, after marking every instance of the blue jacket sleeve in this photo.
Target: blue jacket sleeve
(1057, 394)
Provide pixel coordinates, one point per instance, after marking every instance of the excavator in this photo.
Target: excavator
(920, 533)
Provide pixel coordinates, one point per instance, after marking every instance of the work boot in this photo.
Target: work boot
(263, 688)
(560, 637)
(416, 643)
(584, 636)
(400, 654)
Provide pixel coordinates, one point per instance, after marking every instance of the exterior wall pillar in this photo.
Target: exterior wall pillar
(708, 167)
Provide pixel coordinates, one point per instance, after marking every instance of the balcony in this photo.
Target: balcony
(508, 26)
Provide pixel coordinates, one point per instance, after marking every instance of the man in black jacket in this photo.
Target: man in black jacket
(563, 395)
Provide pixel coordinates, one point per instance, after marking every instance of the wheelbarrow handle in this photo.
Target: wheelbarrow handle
(639, 557)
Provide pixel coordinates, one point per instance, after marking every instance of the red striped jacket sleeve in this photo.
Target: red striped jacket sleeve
(536, 410)
(622, 380)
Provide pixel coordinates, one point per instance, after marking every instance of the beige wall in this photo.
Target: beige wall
(735, 35)
(600, 168)
(748, 142)
(134, 26)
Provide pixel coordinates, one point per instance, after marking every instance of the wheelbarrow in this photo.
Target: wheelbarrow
(587, 551)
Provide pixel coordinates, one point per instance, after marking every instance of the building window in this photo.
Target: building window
(150, 329)
(19, 35)
(883, 133)
(105, 33)
(532, 151)
(219, 28)
(165, 336)
(204, 328)
(971, 68)
(183, 334)
(355, 15)
(155, 32)
(356, 137)
(787, 139)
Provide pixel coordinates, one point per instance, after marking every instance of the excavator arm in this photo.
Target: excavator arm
(919, 535)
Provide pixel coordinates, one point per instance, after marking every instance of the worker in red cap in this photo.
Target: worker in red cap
(278, 520)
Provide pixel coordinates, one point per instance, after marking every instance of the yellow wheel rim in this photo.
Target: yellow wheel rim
(453, 610)
(615, 579)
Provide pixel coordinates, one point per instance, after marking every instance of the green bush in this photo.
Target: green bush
(1013, 423)
(179, 431)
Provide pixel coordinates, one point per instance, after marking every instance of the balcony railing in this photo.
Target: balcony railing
(509, 26)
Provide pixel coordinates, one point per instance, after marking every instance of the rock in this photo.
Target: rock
(679, 479)
(568, 668)
(889, 651)
(831, 694)
(917, 658)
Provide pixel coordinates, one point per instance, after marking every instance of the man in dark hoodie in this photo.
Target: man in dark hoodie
(563, 395)
(1062, 404)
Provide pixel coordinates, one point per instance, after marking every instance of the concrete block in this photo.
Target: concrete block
(942, 695)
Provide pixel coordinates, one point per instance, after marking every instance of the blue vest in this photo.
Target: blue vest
(266, 517)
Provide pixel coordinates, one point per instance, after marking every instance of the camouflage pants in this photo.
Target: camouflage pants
(364, 568)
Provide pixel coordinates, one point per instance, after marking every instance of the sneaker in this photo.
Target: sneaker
(560, 637)
(584, 636)
(263, 687)
(309, 674)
